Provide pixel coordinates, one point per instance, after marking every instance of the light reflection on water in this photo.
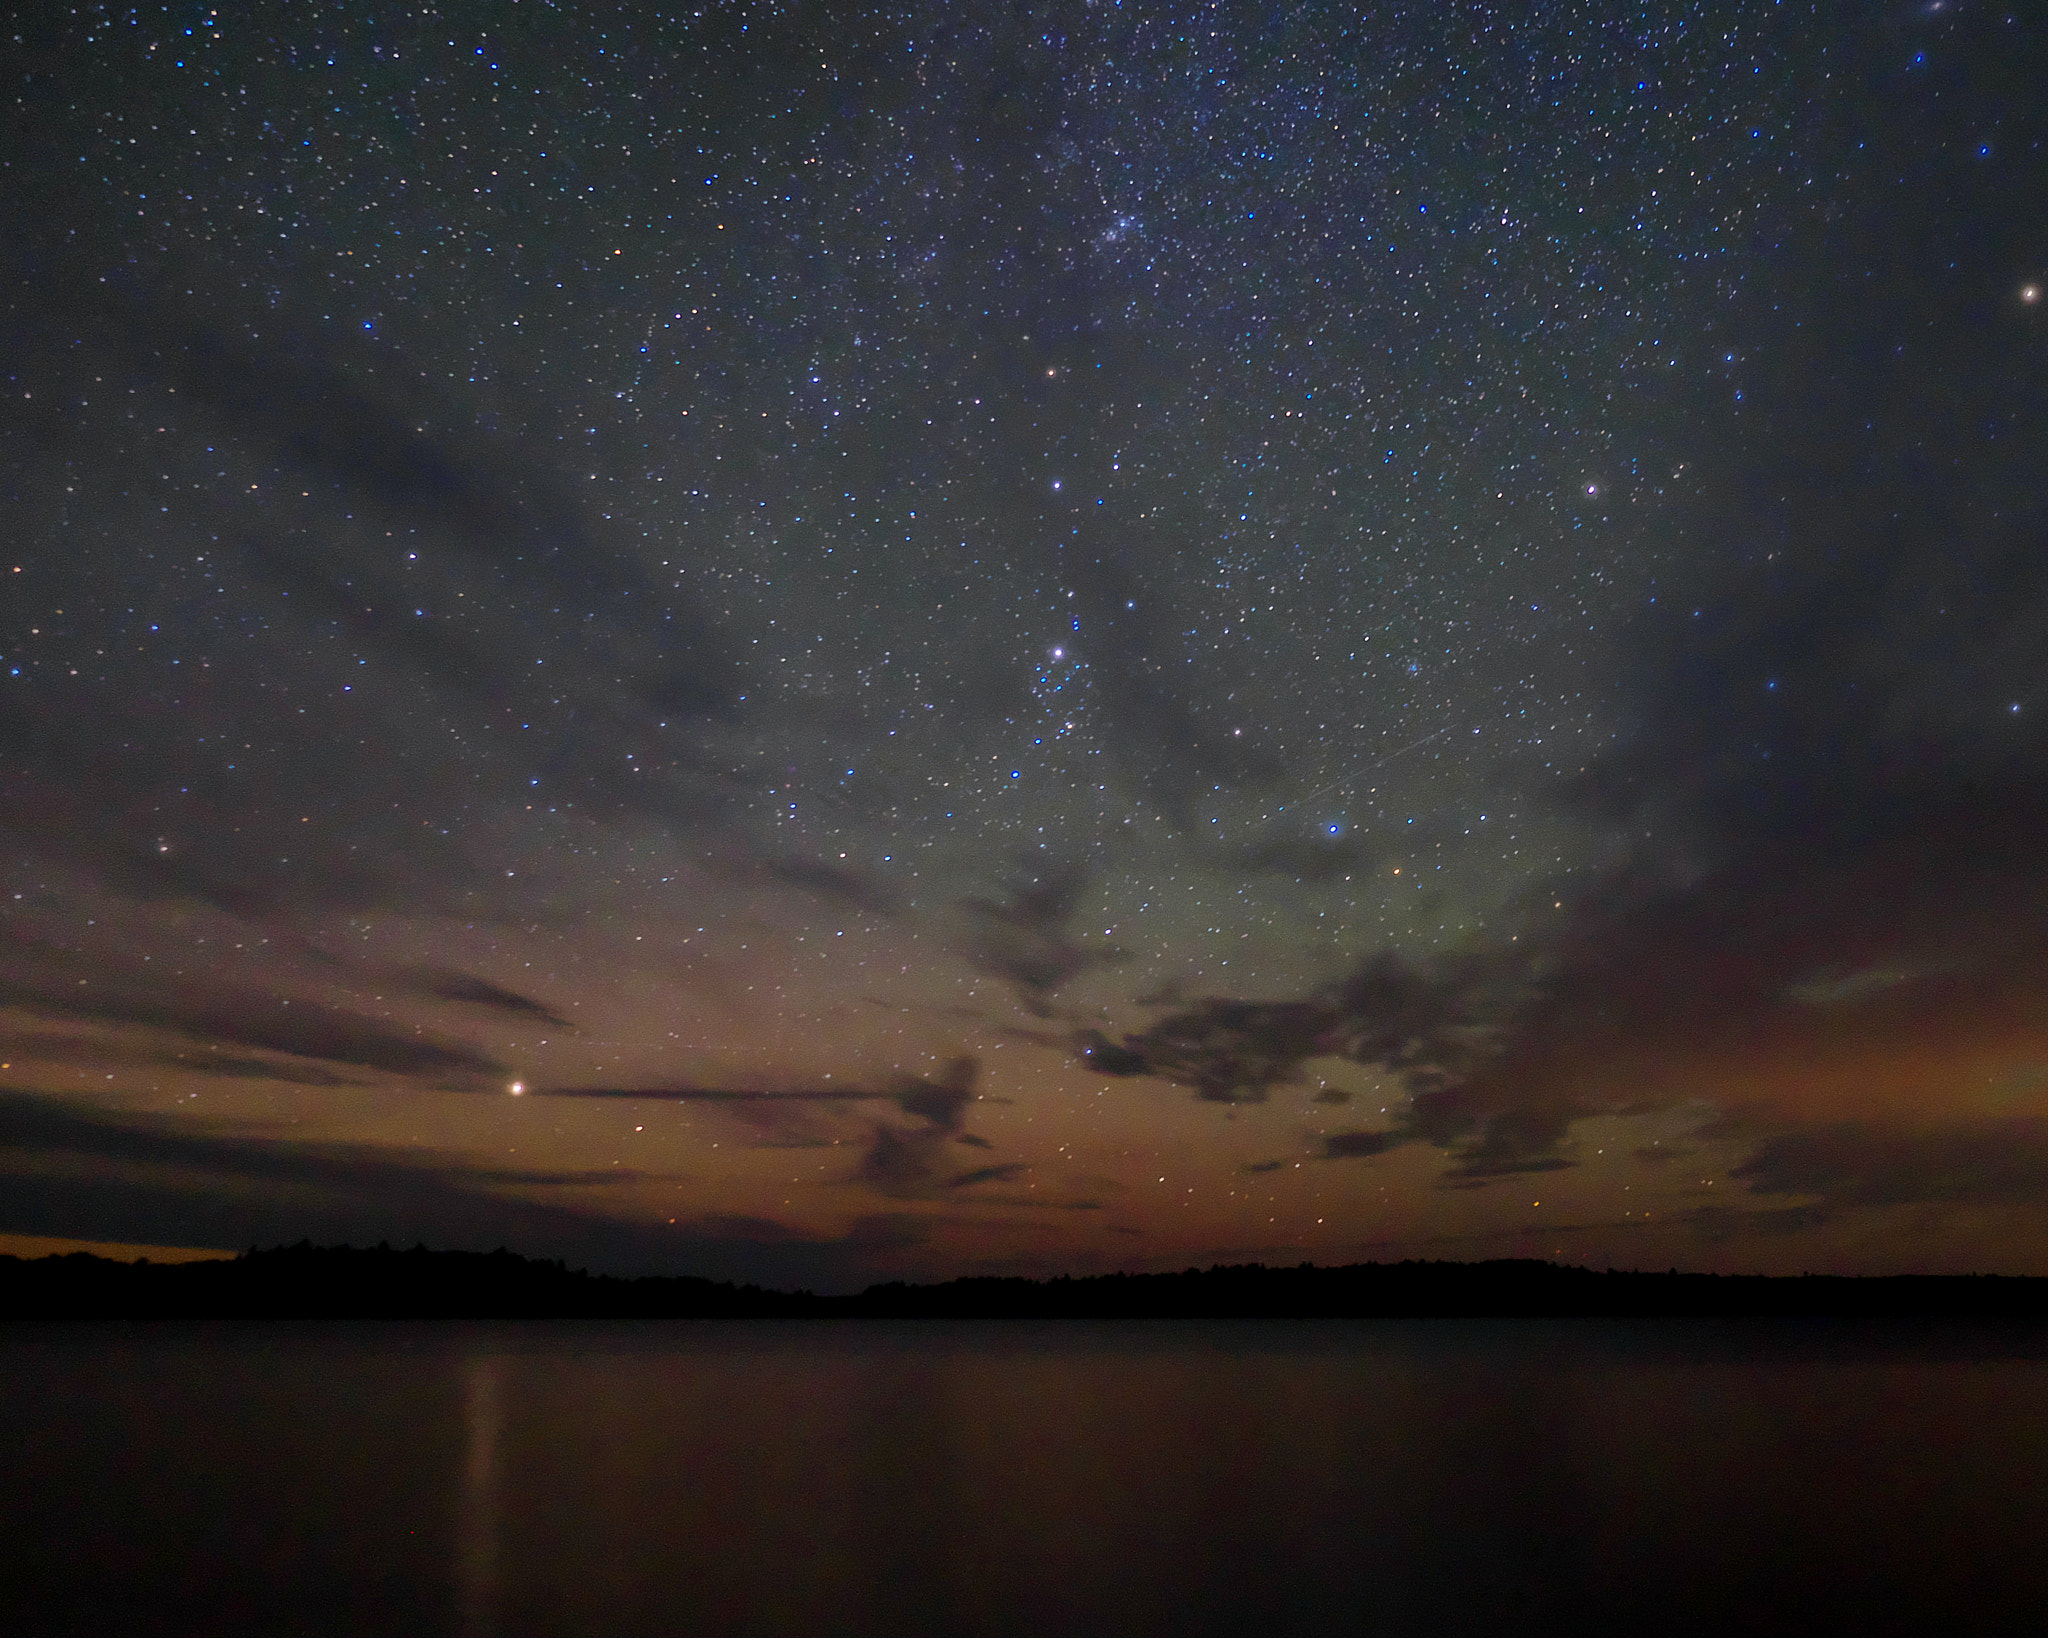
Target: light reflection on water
(496, 1482)
(477, 1533)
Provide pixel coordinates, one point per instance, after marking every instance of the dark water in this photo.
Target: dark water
(1424, 1478)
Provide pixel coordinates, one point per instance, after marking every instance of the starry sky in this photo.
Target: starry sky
(814, 642)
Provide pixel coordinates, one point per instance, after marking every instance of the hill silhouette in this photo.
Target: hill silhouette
(342, 1282)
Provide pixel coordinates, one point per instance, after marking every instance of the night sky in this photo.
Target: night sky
(811, 643)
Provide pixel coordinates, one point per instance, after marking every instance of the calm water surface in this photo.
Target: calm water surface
(1396, 1478)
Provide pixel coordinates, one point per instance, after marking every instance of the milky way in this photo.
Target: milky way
(806, 642)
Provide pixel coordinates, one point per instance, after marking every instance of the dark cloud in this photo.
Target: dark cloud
(1492, 1142)
(1435, 1030)
(1353, 1145)
(716, 1094)
(1423, 1026)
(903, 1161)
(249, 1069)
(1844, 1164)
(96, 1049)
(1838, 799)
(987, 1174)
(1847, 706)
(334, 416)
(109, 789)
(453, 562)
(1236, 1051)
(835, 884)
(1839, 794)
(479, 992)
(605, 1177)
(78, 1173)
(1482, 1163)
(1023, 938)
(909, 1162)
(238, 1018)
(1180, 750)
(1051, 1039)
(942, 1101)
(900, 1162)
(1315, 857)
(1825, 817)
(1105, 1057)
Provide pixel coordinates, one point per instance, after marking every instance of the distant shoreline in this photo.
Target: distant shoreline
(383, 1283)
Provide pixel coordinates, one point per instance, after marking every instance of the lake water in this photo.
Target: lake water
(1367, 1478)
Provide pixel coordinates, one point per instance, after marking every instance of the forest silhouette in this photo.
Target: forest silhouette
(382, 1282)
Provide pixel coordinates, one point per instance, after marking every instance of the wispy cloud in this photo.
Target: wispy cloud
(82, 1173)
(471, 991)
(1025, 939)
(221, 1015)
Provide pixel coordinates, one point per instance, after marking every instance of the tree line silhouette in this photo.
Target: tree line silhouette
(382, 1282)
